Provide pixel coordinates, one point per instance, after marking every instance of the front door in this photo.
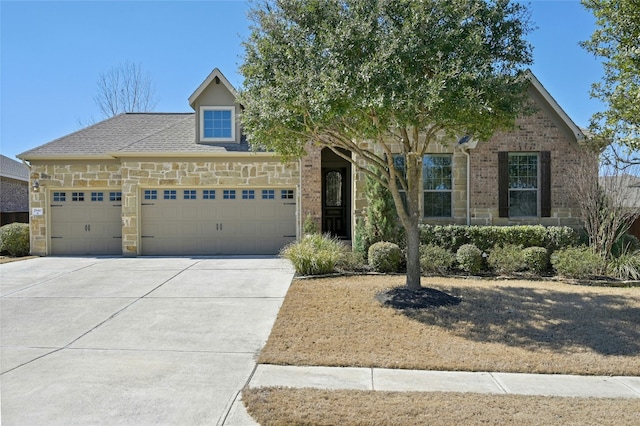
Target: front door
(334, 201)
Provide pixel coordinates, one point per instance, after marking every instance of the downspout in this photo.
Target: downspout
(465, 151)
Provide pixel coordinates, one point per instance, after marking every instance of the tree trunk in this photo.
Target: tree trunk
(413, 257)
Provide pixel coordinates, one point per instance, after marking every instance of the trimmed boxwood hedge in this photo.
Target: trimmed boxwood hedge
(452, 237)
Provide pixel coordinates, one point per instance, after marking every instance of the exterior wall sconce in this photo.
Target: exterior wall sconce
(36, 185)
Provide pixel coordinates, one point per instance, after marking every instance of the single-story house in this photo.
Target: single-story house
(14, 191)
(189, 184)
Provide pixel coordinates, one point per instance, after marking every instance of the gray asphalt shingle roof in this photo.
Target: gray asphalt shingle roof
(13, 169)
(132, 133)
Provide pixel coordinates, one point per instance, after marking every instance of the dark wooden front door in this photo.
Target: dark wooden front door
(334, 205)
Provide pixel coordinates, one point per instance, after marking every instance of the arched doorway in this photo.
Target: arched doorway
(336, 194)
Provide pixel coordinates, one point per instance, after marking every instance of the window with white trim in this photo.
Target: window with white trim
(248, 194)
(115, 196)
(229, 194)
(189, 194)
(169, 194)
(217, 124)
(523, 184)
(209, 194)
(150, 194)
(59, 196)
(437, 185)
(97, 196)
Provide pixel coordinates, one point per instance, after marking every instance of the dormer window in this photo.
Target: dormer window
(217, 124)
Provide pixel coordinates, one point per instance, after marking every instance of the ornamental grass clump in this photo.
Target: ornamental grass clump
(314, 254)
(626, 266)
(14, 239)
(469, 258)
(385, 257)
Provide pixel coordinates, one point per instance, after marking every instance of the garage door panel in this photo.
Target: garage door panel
(217, 226)
(85, 223)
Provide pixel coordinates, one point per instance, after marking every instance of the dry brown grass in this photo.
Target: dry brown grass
(507, 326)
(273, 406)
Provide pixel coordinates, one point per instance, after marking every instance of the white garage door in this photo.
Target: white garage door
(216, 221)
(86, 222)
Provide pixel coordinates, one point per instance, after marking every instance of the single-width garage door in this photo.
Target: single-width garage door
(86, 222)
(217, 221)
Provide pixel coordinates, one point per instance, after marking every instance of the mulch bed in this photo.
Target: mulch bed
(424, 298)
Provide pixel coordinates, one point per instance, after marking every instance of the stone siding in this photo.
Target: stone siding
(131, 176)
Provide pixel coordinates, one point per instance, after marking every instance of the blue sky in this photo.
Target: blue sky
(53, 51)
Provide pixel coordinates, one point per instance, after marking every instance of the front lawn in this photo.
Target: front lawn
(506, 326)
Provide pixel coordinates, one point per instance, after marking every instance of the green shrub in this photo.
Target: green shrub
(469, 258)
(310, 226)
(352, 260)
(576, 262)
(536, 259)
(314, 254)
(452, 237)
(507, 259)
(385, 256)
(626, 266)
(14, 239)
(435, 259)
(381, 219)
(626, 244)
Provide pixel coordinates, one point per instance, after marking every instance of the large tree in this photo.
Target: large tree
(616, 40)
(381, 78)
(125, 88)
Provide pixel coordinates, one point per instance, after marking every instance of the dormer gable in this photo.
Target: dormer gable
(217, 112)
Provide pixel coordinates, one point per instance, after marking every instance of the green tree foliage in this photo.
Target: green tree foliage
(381, 221)
(395, 73)
(617, 41)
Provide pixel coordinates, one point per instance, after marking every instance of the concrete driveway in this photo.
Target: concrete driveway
(133, 340)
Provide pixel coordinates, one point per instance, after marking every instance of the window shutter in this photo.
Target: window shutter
(503, 184)
(545, 184)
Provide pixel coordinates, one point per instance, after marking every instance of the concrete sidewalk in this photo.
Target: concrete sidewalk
(381, 379)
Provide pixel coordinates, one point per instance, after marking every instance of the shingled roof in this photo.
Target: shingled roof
(128, 133)
(13, 169)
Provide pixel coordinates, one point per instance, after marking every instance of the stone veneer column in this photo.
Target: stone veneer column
(311, 185)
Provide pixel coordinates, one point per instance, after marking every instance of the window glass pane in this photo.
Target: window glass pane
(97, 196)
(229, 194)
(209, 194)
(437, 204)
(59, 196)
(523, 171)
(268, 194)
(150, 194)
(333, 189)
(436, 172)
(286, 194)
(217, 123)
(115, 196)
(523, 203)
(169, 194)
(248, 194)
(77, 196)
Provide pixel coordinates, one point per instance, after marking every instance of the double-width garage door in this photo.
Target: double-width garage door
(216, 221)
(86, 222)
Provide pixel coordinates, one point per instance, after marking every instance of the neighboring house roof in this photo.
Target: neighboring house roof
(628, 185)
(564, 117)
(13, 169)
